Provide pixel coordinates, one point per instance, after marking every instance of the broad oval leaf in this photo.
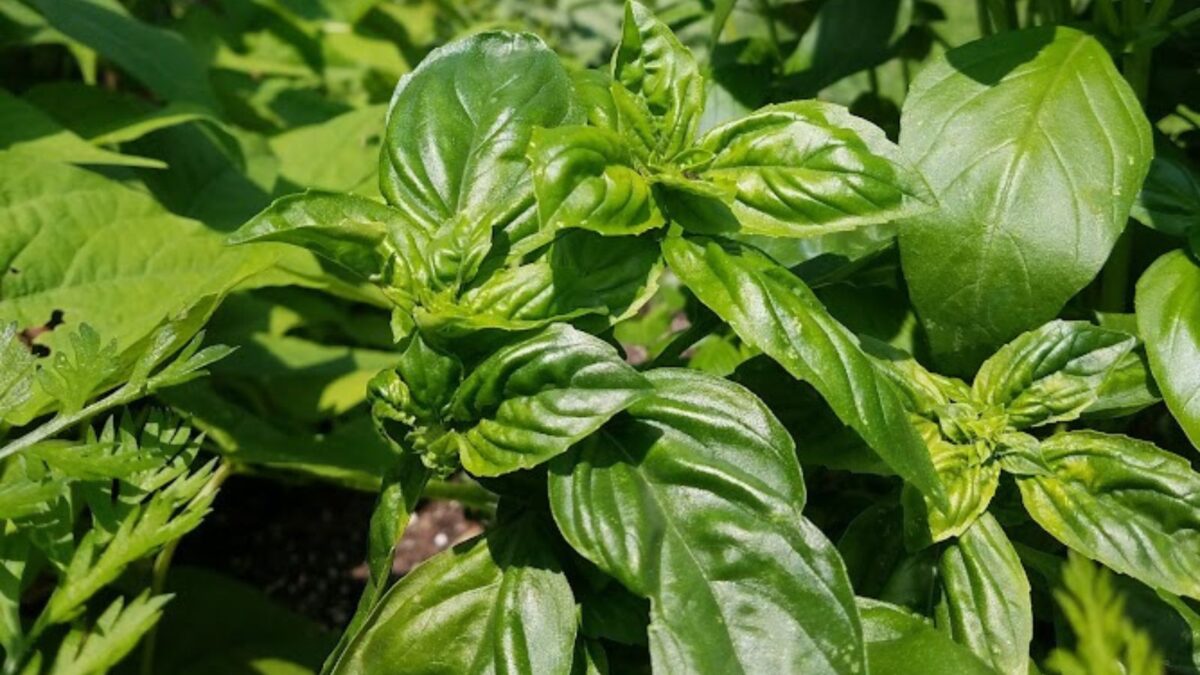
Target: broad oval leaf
(532, 400)
(806, 169)
(457, 133)
(902, 643)
(496, 604)
(1168, 314)
(584, 177)
(1123, 502)
(1035, 148)
(657, 76)
(693, 500)
(1051, 374)
(985, 597)
(772, 309)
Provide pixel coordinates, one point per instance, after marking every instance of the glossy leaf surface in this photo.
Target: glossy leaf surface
(1168, 313)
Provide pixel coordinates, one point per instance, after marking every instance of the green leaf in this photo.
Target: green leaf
(902, 643)
(970, 480)
(585, 177)
(533, 399)
(116, 632)
(16, 371)
(1128, 388)
(1051, 374)
(660, 498)
(1123, 502)
(159, 58)
(1168, 313)
(846, 36)
(457, 132)
(1035, 148)
(373, 241)
(341, 154)
(800, 170)
(498, 603)
(985, 597)
(1170, 198)
(103, 116)
(651, 67)
(773, 310)
(25, 129)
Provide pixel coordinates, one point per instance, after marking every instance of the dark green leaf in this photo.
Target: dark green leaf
(1035, 147)
(1123, 502)
(1168, 312)
(661, 500)
(773, 310)
(902, 643)
(1170, 198)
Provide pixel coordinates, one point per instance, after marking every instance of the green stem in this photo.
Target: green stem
(125, 394)
(162, 563)
(1108, 17)
(1114, 281)
(1159, 11)
(981, 13)
(1184, 20)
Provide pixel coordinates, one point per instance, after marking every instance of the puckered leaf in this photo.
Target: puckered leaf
(1051, 374)
(773, 310)
(800, 170)
(532, 400)
(663, 497)
(1035, 148)
(1168, 313)
(1123, 502)
(985, 601)
(496, 604)
(970, 481)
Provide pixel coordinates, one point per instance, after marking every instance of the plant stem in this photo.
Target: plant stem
(60, 422)
(1115, 278)
(981, 13)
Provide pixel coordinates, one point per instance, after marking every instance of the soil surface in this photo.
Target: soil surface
(304, 544)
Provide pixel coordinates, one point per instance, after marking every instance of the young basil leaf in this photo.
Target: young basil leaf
(970, 481)
(1123, 502)
(986, 603)
(772, 309)
(375, 242)
(806, 169)
(1170, 198)
(456, 136)
(1035, 147)
(498, 603)
(661, 77)
(1168, 313)
(925, 392)
(902, 643)
(593, 93)
(1128, 388)
(585, 177)
(531, 400)
(1051, 374)
(659, 499)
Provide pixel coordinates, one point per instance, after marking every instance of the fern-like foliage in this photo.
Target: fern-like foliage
(1106, 641)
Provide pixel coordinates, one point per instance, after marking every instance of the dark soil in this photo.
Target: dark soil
(304, 544)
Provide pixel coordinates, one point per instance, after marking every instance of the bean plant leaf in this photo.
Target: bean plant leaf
(1029, 208)
(1170, 198)
(656, 75)
(772, 309)
(16, 371)
(1051, 374)
(496, 604)
(457, 133)
(902, 643)
(28, 130)
(985, 601)
(803, 169)
(1124, 502)
(533, 399)
(1168, 314)
(660, 497)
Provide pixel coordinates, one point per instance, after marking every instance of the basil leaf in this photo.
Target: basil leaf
(772, 309)
(373, 241)
(1123, 502)
(661, 77)
(1051, 374)
(498, 603)
(986, 603)
(970, 481)
(531, 400)
(1168, 313)
(584, 177)
(456, 135)
(902, 643)
(593, 93)
(1030, 206)
(925, 393)
(1128, 388)
(662, 497)
(1170, 198)
(807, 169)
